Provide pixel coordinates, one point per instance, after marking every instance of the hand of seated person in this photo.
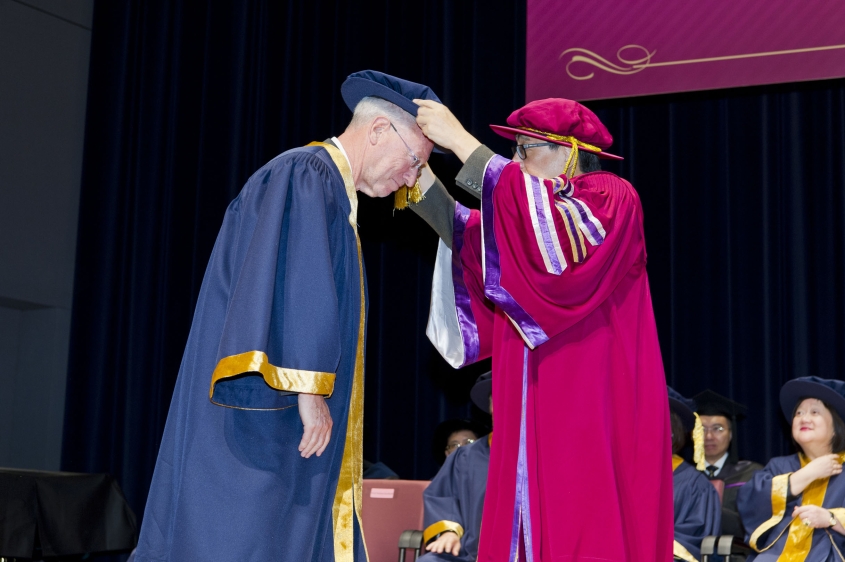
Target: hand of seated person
(820, 467)
(813, 516)
(448, 542)
(824, 466)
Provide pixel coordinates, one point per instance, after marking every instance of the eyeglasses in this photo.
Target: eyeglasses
(453, 446)
(714, 429)
(415, 160)
(520, 148)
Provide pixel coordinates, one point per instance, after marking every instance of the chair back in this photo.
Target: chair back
(390, 507)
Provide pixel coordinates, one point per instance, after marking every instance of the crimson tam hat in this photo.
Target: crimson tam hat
(829, 391)
(560, 121)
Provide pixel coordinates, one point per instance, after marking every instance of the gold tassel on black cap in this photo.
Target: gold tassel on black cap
(404, 196)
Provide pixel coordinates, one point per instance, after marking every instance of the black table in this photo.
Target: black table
(58, 514)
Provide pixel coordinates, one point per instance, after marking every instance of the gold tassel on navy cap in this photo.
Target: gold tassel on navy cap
(698, 444)
(404, 196)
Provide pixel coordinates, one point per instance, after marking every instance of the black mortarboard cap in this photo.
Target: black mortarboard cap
(713, 404)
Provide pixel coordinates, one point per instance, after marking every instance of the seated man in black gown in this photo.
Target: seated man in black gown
(718, 418)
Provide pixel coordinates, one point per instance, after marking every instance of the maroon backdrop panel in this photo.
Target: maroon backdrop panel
(608, 48)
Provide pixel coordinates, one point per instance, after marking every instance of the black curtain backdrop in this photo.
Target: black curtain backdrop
(742, 190)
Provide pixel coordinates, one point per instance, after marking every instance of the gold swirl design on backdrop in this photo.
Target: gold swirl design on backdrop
(640, 62)
(644, 57)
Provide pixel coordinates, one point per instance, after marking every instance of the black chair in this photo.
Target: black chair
(410, 540)
(732, 548)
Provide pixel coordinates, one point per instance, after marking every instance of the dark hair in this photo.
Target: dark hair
(837, 442)
(461, 425)
(587, 161)
(679, 434)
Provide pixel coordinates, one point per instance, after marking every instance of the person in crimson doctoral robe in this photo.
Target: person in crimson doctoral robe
(794, 509)
(696, 502)
(261, 454)
(454, 500)
(549, 278)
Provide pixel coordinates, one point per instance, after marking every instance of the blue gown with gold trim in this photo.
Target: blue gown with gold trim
(766, 512)
(698, 511)
(454, 500)
(279, 312)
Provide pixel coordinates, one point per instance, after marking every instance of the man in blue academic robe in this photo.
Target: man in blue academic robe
(451, 434)
(261, 454)
(697, 509)
(696, 502)
(454, 501)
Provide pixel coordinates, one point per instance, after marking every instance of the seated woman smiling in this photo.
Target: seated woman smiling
(794, 508)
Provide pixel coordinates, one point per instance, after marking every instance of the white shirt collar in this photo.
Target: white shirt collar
(719, 463)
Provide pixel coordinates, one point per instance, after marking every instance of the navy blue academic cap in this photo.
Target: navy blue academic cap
(830, 391)
(684, 407)
(481, 391)
(359, 85)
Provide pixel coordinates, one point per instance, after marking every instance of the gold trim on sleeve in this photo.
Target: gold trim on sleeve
(280, 378)
(780, 487)
(679, 551)
(349, 494)
(441, 527)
